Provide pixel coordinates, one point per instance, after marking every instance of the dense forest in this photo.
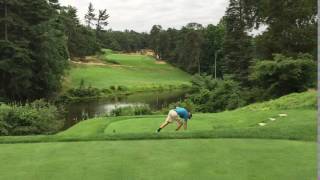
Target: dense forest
(38, 37)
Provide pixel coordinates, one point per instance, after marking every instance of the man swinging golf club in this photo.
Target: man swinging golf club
(175, 115)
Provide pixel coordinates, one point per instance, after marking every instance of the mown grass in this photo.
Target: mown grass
(179, 155)
(137, 72)
(225, 159)
(299, 124)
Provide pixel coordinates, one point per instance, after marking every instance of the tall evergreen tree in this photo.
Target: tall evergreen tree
(155, 39)
(35, 54)
(102, 20)
(189, 49)
(90, 17)
(212, 49)
(237, 45)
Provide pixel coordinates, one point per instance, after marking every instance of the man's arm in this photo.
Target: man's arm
(179, 126)
(185, 125)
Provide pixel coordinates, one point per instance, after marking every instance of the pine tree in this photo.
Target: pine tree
(155, 39)
(190, 51)
(102, 20)
(237, 44)
(33, 59)
(5, 8)
(90, 16)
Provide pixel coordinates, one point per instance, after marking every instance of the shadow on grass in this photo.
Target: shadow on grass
(254, 133)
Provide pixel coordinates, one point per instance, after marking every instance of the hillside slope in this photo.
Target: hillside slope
(129, 70)
(289, 117)
(296, 122)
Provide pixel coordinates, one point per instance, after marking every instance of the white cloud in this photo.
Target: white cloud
(140, 15)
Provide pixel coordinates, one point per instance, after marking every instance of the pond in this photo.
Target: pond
(156, 100)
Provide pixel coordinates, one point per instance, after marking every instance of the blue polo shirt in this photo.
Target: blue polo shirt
(183, 113)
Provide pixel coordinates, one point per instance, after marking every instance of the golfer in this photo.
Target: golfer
(180, 115)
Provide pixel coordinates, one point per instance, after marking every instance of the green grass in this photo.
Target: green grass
(134, 72)
(305, 100)
(300, 124)
(223, 159)
(228, 145)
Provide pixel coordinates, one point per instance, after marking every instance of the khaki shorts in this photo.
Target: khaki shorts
(172, 116)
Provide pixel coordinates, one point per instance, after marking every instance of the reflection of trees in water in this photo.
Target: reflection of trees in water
(158, 100)
(85, 110)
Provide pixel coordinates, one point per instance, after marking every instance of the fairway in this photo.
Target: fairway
(133, 71)
(226, 159)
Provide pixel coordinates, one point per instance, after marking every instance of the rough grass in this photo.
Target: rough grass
(305, 100)
(132, 71)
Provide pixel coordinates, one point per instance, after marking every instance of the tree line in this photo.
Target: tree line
(37, 37)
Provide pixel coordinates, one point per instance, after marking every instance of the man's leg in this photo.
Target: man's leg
(163, 125)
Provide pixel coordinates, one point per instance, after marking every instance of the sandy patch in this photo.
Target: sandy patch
(89, 63)
(161, 62)
(99, 64)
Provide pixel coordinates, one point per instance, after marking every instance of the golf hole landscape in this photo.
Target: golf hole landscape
(232, 98)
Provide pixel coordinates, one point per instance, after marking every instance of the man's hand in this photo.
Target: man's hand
(179, 126)
(185, 125)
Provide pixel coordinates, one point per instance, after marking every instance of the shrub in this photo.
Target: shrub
(84, 92)
(210, 95)
(122, 88)
(38, 117)
(142, 110)
(170, 86)
(203, 82)
(4, 110)
(284, 75)
(131, 111)
(106, 91)
(114, 88)
(223, 95)
(184, 86)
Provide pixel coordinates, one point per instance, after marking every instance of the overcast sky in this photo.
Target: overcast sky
(140, 15)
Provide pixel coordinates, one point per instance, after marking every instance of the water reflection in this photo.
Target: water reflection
(89, 109)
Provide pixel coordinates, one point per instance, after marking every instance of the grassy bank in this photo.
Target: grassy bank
(136, 72)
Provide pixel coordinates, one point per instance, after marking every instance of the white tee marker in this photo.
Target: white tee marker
(262, 124)
(283, 115)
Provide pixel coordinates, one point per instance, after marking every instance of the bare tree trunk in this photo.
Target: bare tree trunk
(5, 23)
(199, 66)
